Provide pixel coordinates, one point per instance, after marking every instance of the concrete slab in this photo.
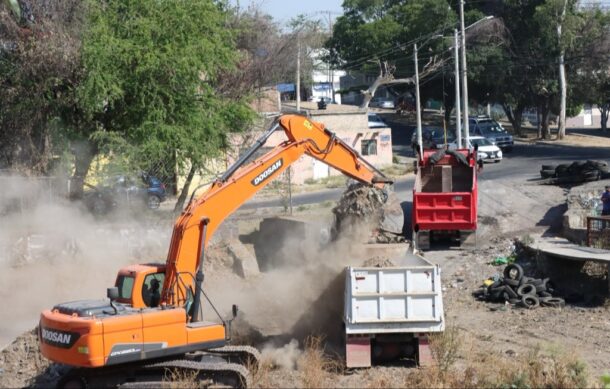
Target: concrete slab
(244, 262)
(563, 248)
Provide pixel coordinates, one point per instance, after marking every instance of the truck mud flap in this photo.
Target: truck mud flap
(357, 351)
(424, 353)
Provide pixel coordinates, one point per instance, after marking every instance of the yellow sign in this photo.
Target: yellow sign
(308, 124)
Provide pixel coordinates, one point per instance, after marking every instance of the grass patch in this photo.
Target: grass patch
(317, 368)
(462, 363)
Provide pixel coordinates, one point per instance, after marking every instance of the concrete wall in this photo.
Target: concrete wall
(589, 117)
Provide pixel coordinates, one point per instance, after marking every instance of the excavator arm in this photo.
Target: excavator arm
(202, 216)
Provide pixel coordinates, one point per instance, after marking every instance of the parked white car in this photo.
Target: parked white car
(375, 121)
(487, 151)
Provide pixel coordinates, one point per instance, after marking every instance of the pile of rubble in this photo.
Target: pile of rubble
(515, 288)
(574, 173)
(377, 209)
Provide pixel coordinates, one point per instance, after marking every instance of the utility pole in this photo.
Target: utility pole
(458, 114)
(417, 104)
(330, 70)
(298, 86)
(464, 77)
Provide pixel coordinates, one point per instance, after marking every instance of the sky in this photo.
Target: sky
(283, 10)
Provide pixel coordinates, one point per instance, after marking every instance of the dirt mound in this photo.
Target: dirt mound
(363, 209)
(21, 364)
(378, 262)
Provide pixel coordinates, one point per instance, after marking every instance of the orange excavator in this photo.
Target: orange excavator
(153, 319)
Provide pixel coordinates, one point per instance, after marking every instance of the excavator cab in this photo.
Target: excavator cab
(135, 284)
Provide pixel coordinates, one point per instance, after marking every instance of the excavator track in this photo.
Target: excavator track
(158, 375)
(243, 355)
(232, 374)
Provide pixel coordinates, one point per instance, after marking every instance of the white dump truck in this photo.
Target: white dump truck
(390, 311)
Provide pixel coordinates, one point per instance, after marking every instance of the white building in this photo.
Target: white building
(321, 76)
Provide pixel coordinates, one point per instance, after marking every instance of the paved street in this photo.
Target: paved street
(524, 162)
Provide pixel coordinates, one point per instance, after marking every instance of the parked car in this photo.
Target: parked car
(433, 138)
(127, 191)
(375, 121)
(492, 130)
(487, 151)
(382, 102)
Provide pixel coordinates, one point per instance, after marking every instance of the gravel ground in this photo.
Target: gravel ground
(508, 210)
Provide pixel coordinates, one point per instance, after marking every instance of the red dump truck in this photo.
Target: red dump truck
(445, 197)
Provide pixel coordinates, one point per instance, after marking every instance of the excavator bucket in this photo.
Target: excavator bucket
(377, 210)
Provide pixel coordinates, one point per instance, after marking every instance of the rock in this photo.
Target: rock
(244, 263)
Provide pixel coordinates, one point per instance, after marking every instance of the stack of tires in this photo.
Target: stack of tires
(516, 288)
(577, 171)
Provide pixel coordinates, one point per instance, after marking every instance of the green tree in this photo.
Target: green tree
(376, 36)
(152, 71)
(39, 68)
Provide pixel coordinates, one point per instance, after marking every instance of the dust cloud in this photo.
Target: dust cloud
(285, 357)
(53, 251)
(302, 295)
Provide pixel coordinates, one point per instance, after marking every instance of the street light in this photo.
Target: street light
(464, 75)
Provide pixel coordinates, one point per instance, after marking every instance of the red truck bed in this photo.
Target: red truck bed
(445, 194)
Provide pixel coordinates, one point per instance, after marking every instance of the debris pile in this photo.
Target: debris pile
(374, 208)
(515, 288)
(574, 173)
(21, 364)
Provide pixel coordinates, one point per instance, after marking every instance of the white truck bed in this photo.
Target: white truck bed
(402, 299)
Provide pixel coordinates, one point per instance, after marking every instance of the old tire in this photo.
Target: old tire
(526, 290)
(549, 167)
(554, 302)
(511, 292)
(545, 294)
(513, 272)
(542, 286)
(513, 283)
(530, 301)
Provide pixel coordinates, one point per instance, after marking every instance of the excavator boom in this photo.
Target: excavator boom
(242, 181)
(166, 329)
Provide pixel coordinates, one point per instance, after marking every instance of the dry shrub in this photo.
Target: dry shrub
(482, 367)
(181, 378)
(315, 366)
(554, 369)
(445, 347)
(260, 375)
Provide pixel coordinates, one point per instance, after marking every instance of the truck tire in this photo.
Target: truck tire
(513, 272)
(513, 283)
